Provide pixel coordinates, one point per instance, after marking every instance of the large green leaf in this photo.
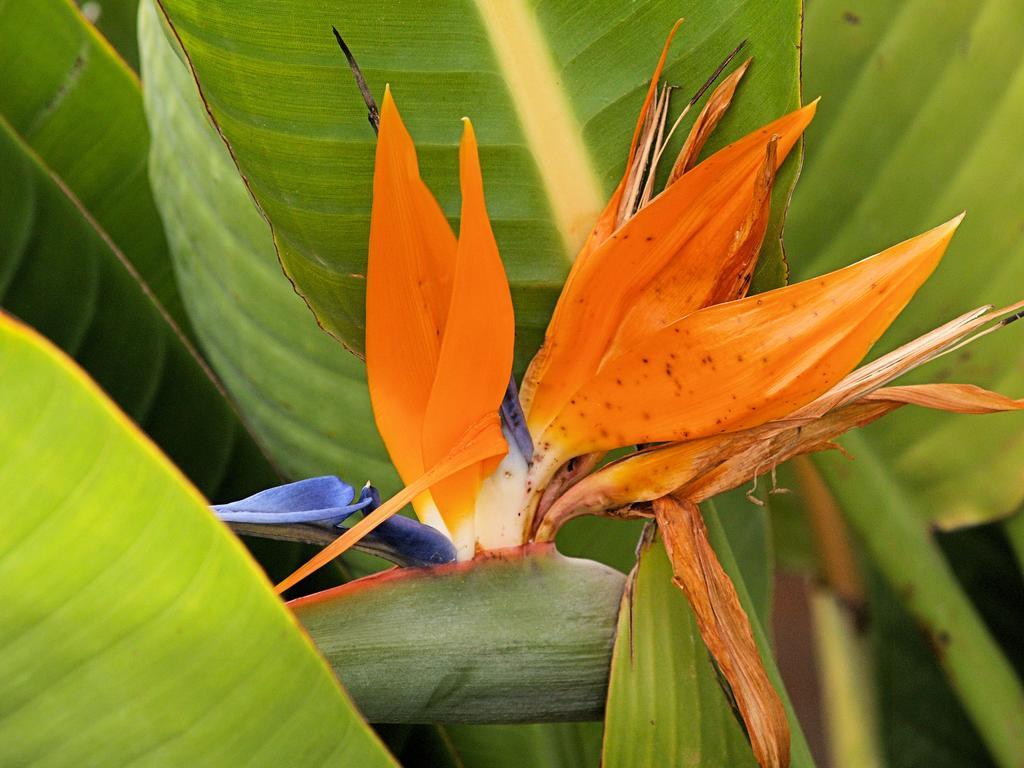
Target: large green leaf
(136, 629)
(921, 118)
(60, 273)
(665, 704)
(75, 102)
(304, 396)
(553, 88)
(904, 551)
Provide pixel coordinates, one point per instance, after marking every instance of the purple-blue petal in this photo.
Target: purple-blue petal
(514, 422)
(401, 539)
(317, 500)
(328, 502)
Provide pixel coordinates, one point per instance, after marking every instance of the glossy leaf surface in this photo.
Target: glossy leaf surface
(60, 273)
(666, 705)
(553, 89)
(136, 629)
(922, 112)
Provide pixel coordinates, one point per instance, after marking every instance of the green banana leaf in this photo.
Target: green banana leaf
(136, 628)
(665, 703)
(920, 119)
(553, 88)
(115, 20)
(304, 396)
(63, 275)
(71, 98)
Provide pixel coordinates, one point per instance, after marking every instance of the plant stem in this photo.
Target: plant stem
(846, 684)
(897, 538)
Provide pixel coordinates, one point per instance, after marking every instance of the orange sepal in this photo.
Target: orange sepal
(411, 263)
(668, 260)
(607, 222)
(737, 365)
(475, 359)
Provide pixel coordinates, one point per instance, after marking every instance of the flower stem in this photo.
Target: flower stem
(847, 684)
(895, 535)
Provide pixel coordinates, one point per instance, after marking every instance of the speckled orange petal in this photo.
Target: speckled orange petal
(411, 263)
(737, 365)
(606, 223)
(476, 352)
(688, 230)
(481, 441)
(716, 265)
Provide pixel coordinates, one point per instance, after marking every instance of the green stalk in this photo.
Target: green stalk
(897, 538)
(846, 685)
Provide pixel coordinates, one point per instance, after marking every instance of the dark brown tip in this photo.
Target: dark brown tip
(373, 113)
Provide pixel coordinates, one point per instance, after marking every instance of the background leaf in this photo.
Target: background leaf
(115, 20)
(304, 396)
(920, 113)
(69, 96)
(60, 273)
(553, 87)
(136, 630)
(665, 704)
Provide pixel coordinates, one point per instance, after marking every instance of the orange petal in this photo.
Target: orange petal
(475, 359)
(706, 122)
(411, 264)
(737, 365)
(688, 283)
(690, 229)
(606, 223)
(700, 469)
(480, 442)
(725, 628)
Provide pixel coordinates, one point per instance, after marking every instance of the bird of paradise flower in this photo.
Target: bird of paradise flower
(654, 343)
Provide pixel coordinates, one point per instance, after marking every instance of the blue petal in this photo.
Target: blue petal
(514, 421)
(316, 500)
(404, 541)
(328, 502)
(411, 541)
